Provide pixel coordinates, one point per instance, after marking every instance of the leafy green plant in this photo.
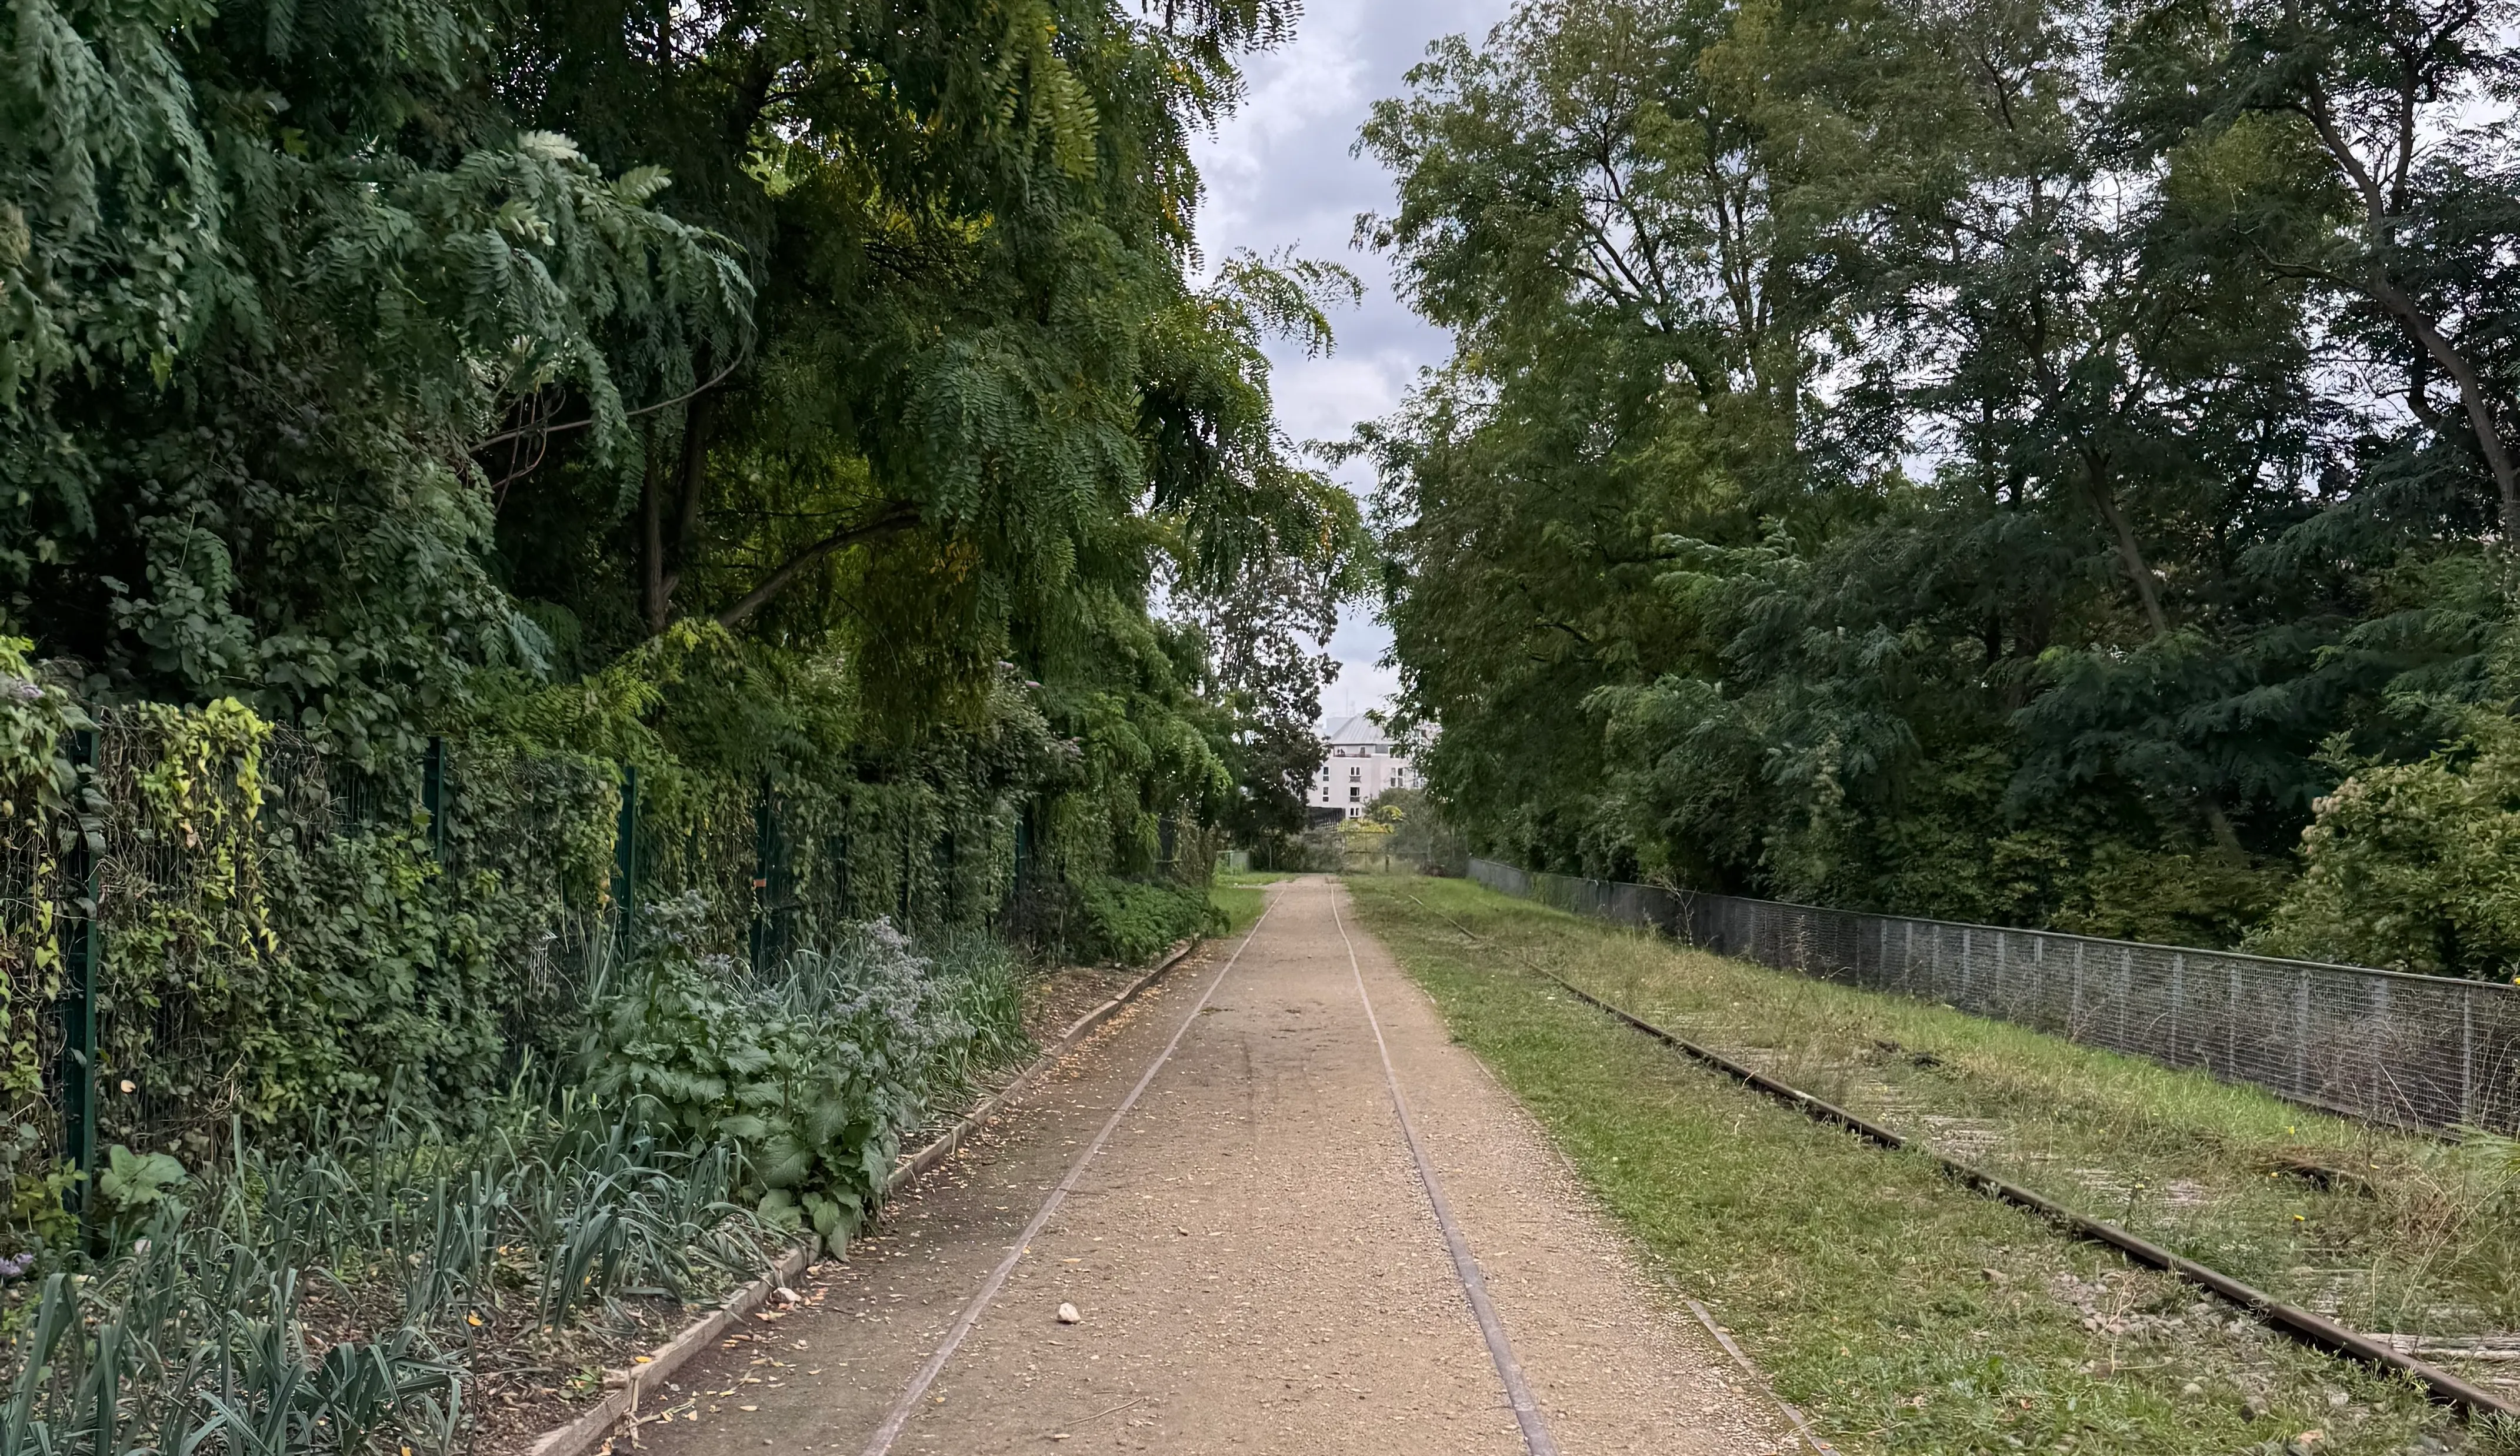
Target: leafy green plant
(1131, 922)
(811, 1069)
(135, 1182)
(2414, 866)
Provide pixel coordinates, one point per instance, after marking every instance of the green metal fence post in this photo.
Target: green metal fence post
(837, 848)
(433, 796)
(625, 854)
(82, 950)
(764, 834)
(1019, 883)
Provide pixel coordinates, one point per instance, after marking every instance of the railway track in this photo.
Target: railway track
(1530, 1420)
(2290, 1319)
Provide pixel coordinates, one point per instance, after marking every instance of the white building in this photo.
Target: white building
(1363, 761)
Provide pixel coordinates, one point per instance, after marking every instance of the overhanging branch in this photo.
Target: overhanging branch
(897, 516)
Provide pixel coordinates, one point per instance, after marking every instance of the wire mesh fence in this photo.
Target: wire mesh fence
(209, 920)
(203, 882)
(2419, 1051)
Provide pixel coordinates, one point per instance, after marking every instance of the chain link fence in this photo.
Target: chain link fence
(2419, 1051)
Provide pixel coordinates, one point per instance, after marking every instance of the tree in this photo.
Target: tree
(2399, 197)
(269, 277)
(1895, 456)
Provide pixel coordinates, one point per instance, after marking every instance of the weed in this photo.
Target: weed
(2496, 1436)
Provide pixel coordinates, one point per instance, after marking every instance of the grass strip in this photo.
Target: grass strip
(2381, 1230)
(1240, 895)
(1903, 1313)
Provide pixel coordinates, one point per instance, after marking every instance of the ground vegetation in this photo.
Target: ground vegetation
(642, 554)
(1902, 1311)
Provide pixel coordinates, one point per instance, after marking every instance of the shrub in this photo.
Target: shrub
(1131, 922)
(811, 1071)
(2414, 866)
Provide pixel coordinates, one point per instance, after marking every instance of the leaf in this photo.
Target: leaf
(135, 1181)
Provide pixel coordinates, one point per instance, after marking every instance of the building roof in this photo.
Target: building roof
(1354, 728)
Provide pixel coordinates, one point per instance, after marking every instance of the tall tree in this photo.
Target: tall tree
(270, 274)
(1896, 455)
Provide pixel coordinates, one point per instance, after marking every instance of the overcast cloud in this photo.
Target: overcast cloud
(1278, 175)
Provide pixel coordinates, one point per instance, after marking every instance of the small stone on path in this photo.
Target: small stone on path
(1067, 1315)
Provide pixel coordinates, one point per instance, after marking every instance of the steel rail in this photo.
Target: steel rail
(1536, 1438)
(908, 1403)
(2293, 1320)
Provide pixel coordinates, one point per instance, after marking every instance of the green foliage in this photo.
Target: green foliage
(1410, 826)
(424, 400)
(769, 424)
(2414, 866)
(1132, 923)
(41, 814)
(292, 944)
(811, 1070)
(1901, 457)
(269, 274)
(134, 1182)
(265, 954)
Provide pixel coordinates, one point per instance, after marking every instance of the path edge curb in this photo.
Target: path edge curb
(624, 1385)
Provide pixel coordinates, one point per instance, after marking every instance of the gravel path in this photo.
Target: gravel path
(1253, 1257)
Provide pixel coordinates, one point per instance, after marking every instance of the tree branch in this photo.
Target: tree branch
(898, 516)
(663, 404)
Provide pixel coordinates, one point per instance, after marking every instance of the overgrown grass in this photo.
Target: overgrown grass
(1904, 1314)
(2384, 1230)
(1241, 896)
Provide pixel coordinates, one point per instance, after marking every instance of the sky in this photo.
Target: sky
(1278, 175)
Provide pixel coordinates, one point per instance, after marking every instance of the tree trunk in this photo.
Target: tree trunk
(896, 518)
(662, 558)
(655, 597)
(2149, 588)
(2490, 443)
(2380, 225)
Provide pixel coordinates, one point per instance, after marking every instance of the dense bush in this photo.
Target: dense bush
(1132, 922)
(810, 1070)
(2414, 866)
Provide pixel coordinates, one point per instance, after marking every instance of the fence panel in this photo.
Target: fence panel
(2420, 1051)
(213, 880)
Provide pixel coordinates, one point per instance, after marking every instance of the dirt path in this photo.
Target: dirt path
(1254, 1257)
